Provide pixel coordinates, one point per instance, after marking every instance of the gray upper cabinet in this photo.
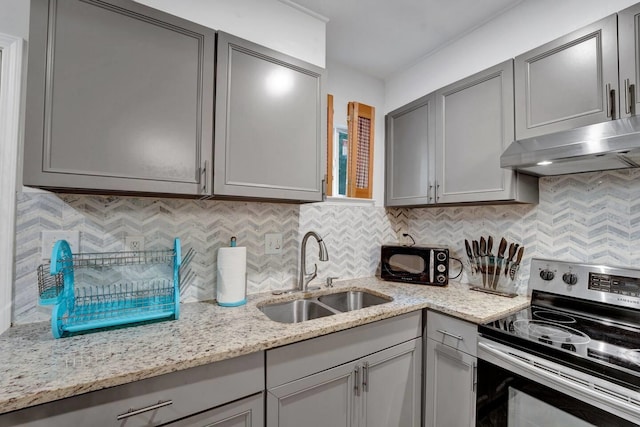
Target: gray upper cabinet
(569, 82)
(120, 97)
(474, 124)
(629, 51)
(410, 136)
(445, 147)
(269, 123)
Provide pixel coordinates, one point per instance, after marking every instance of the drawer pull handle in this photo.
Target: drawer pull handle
(458, 337)
(365, 377)
(132, 412)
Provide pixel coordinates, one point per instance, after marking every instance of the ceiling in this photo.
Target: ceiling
(381, 37)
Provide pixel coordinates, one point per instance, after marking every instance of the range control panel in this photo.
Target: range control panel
(595, 282)
(619, 285)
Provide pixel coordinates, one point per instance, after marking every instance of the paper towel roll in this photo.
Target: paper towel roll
(232, 276)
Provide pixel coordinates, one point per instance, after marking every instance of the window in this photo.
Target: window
(350, 152)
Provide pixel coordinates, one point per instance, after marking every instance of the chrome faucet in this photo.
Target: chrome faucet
(304, 278)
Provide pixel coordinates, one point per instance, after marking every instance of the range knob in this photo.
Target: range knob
(547, 275)
(440, 278)
(441, 256)
(570, 278)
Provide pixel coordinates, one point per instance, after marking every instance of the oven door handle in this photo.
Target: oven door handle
(591, 390)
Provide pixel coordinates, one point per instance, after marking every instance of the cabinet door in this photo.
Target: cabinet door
(324, 399)
(247, 412)
(120, 98)
(391, 386)
(569, 82)
(474, 124)
(450, 397)
(269, 115)
(410, 134)
(153, 401)
(629, 51)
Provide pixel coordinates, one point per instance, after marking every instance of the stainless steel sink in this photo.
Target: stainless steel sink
(295, 311)
(303, 309)
(352, 300)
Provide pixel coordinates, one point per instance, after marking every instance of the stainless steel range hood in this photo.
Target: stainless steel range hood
(610, 145)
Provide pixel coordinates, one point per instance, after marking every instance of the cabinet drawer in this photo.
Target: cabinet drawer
(295, 361)
(189, 391)
(453, 332)
(247, 412)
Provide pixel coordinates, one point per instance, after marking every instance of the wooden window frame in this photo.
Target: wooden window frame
(355, 111)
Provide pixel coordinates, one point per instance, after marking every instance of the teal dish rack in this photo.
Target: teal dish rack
(94, 291)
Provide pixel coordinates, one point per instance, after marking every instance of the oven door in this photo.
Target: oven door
(516, 388)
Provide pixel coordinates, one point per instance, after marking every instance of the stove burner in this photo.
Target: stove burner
(633, 356)
(545, 339)
(550, 333)
(553, 316)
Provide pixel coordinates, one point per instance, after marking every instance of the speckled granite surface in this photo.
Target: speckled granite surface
(36, 368)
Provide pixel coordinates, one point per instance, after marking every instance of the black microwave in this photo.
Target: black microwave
(415, 264)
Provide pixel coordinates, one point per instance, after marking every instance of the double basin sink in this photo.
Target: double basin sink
(302, 309)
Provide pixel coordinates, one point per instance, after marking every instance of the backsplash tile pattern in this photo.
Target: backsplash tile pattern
(449, 226)
(352, 233)
(205, 226)
(592, 217)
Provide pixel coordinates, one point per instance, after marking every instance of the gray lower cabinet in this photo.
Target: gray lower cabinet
(474, 124)
(119, 98)
(326, 398)
(569, 82)
(229, 393)
(270, 110)
(365, 376)
(450, 365)
(247, 412)
(410, 139)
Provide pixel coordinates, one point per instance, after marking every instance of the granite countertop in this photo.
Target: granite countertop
(36, 368)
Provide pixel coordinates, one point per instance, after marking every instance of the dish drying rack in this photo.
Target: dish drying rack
(100, 290)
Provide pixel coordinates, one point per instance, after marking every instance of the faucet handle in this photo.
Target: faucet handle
(330, 281)
(309, 277)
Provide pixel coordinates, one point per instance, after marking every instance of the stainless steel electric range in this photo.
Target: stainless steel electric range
(572, 358)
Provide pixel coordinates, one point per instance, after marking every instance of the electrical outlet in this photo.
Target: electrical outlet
(134, 243)
(273, 243)
(49, 238)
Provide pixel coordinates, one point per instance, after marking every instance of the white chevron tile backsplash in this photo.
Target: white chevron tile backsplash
(591, 217)
(353, 236)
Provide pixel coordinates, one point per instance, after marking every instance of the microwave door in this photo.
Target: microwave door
(403, 264)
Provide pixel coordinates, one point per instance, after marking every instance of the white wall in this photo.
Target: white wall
(347, 84)
(530, 24)
(270, 23)
(14, 18)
